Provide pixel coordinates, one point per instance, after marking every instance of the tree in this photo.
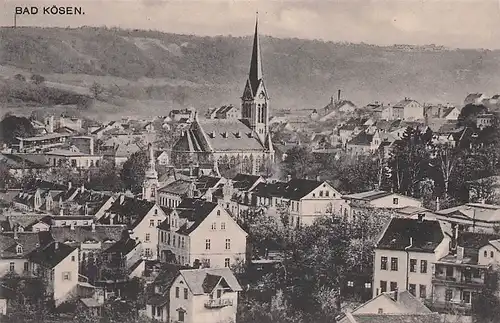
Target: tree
(299, 162)
(12, 126)
(134, 170)
(444, 159)
(37, 79)
(486, 305)
(96, 89)
(20, 77)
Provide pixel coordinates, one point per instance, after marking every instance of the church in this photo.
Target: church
(243, 144)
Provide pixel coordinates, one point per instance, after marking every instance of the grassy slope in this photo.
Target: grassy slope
(176, 70)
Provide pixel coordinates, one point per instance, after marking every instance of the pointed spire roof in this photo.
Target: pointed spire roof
(255, 74)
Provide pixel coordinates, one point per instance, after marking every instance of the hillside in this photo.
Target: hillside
(203, 72)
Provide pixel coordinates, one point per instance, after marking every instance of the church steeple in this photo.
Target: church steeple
(255, 74)
(255, 101)
(150, 184)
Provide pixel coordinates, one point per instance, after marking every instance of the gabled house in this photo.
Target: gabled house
(472, 216)
(141, 217)
(194, 295)
(404, 254)
(173, 193)
(474, 98)
(364, 143)
(306, 200)
(408, 109)
(201, 232)
(375, 199)
(225, 112)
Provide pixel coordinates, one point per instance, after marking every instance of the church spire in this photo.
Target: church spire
(255, 74)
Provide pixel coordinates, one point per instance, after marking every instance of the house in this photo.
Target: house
(57, 264)
(20, 165)
(225, 112)
(332, 109)
(14, 250)
(39, 143)
(178, 115)
(6, 296)
(364, 143)
(485, 120)
(305, 199)
(460, 275)
(472, 216)
(201, 232)
(72, 158)
(141, 217)
(173, 193)
(396, 302)
(394, 318)
(404, 254)
(474, 98)
(162, 158)
(194, 295)
(408, 109)
(446, 112)
(376, 199)
(123, 257)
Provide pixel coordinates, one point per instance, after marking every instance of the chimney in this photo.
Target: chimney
(72, 226)
(338, 95)
(288, 177)
(69, 185)
(122, 198)
(15, 233)
(110, 220)
(318, 178)
(437, 203)
(61, 211)
(56, 245)
(91, 146)
(421, 217)
(82, 188)
(331, 100)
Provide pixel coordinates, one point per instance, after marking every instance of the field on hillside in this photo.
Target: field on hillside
(147, 72)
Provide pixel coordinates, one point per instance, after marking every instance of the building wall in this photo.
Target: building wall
(64, 288)
(180, 302)
(413, 111)
(218, 252)
(144, 229)
(18, 266)
(214, 315)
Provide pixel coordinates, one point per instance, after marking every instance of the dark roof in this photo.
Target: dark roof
(194, 211)
(178, 187)
(29, 241)
(51, 255)
(426, 235)
(124, 246)
(130, 211)
(22, 161)
(81, 234)
(43, 185)
(475, 240)
(367, 196)
(362, 138)
(210, 282)
(244, 181)
(294, 189)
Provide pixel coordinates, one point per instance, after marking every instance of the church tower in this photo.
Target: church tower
(150, 184)
(255, 101)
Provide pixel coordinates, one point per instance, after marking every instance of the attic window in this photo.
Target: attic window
(224, 134)
(211, 134)
(19, 249)
(237, 135)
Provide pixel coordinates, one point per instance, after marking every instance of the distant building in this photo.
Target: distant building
(404, 255)
(474, 98)
(225, 112)
(408, 109)
(485, 120)
(201, 232)
(194, 295)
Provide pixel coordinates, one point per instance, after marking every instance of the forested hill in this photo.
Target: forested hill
(204, 71)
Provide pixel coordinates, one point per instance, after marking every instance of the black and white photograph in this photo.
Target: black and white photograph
(250, 161)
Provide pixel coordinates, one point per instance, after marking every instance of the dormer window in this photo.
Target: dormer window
(224, 134)
(19, 249)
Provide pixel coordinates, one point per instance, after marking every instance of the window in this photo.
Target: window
(156, 210)
(395, 201)
(219, 293)
(148, 237)
(466, 297)
(228, 244)
(12, 267)
(423, 291)
(223, 225)
(394, 264)
(19, 249)
(383, 286)
(151, 223)
(66, 275)
(179, 241)
(148, 252)
(181, 316)
(207, 244)
(423, 266)
(383, 263)
(218, 212)
(177, 291)
(368, 285)
(412, 288)
(485, 254)
(320, 193)
(214, 226)
(350, 283)
(185, 293)
(491, 254)
(173, 240)
(227, 262)
(380, 310)
(159, 311)
(448, 295)
(394, 286)
(26, 266)
(73, 258)
(182, 242)
(413, 265)
(327, 193)
(168, 238)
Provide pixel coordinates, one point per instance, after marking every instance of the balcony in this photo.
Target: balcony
(453, 281)
(218, 303)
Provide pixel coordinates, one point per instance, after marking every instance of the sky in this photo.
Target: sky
(451, 23)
